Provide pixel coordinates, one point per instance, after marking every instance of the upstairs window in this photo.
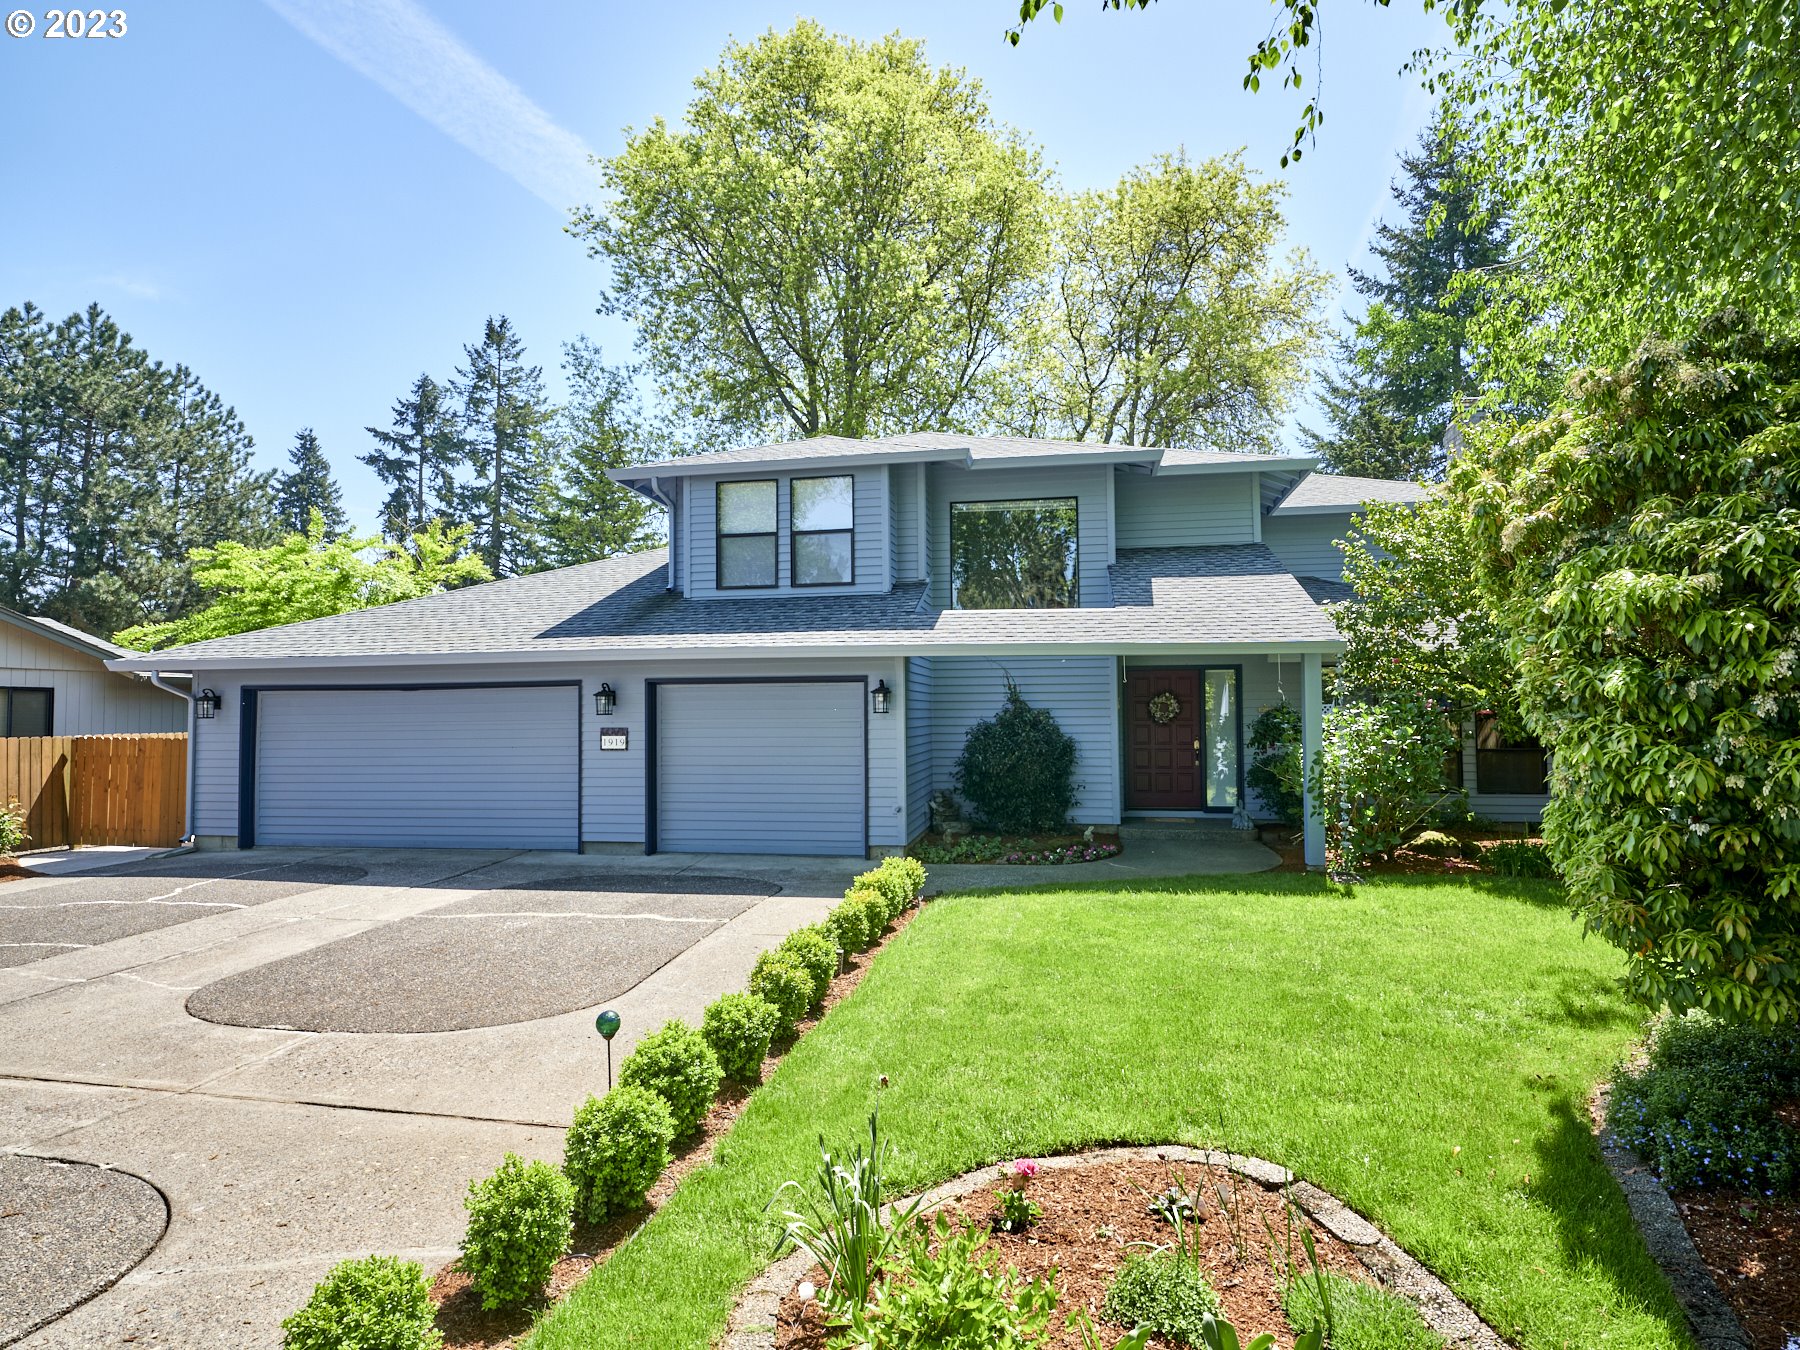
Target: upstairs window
(823, 532)
(747, 532)
(27, 711)
(1508, 766)
(1014, 555)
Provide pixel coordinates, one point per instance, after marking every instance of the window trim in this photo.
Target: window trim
(49, 692)
(720, 535)
(1074, 504)
(795, 533)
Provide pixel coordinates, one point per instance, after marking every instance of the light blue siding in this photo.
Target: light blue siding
(1088, 484)
(1305, 544)
(736, 774)
(905, 490)
(872, 524)
(1183, 509)
(1080, 691)
(919, 770)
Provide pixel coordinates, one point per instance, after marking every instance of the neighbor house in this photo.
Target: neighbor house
(54, 682)
(797, 670)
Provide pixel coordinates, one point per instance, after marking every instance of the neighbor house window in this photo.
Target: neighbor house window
(1504, 765)
(27, 711)
(746, 534)
(1013, 555)
(823, 512)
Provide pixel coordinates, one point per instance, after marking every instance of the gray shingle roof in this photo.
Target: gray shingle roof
(944, 445)
(1320, 493)
(1326, 591)
(1198, 596)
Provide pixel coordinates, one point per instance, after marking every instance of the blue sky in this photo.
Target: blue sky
(309, 202)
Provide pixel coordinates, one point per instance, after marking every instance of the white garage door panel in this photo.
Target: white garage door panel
(760, 768)
(420, 768)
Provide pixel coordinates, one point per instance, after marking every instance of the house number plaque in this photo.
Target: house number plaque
(615, 738)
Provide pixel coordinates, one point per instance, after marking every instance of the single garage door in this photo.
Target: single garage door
(760, 768)
(419, 768)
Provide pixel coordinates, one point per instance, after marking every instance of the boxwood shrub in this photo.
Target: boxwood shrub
(676, 1064)
(892, 885)
(739, 1028)
(815, 949)
(372, 1303)
(848, 923)
(518, 1230)
(616, 1149)
(778, 978)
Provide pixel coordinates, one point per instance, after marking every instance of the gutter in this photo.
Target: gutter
(155, 678)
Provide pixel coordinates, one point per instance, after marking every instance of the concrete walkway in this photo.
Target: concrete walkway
(281, 1151)
(59, 862)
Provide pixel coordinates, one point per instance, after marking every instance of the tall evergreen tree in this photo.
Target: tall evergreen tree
(308, 486)
(1393, 391)
(114, 467)
(504, 413)
(417, 458)
(586, 515)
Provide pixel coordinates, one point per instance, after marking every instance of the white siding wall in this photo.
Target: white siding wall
(90, 700)
(871, 533)
(1181, 509)
(1082, 693)
(1088, 484)
(1305, 543)
(612, 781)
(920, 774)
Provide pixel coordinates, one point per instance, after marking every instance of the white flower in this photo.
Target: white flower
(807, 1291)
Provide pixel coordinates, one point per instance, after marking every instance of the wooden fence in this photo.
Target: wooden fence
(97, 789)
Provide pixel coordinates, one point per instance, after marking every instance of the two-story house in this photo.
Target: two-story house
(797, 670)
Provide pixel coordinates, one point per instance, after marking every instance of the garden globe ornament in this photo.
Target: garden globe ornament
(607, 1024)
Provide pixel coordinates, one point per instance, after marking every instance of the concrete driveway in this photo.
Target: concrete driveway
(310, 1053)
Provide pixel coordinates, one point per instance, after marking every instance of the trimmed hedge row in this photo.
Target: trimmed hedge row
(520, 1218)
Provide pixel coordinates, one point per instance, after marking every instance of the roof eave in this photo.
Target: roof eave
(1249, 464)
(633, 474)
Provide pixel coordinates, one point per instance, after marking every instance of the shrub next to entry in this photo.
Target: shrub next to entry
(518, 1229)
(677, 1065)
(375, 1303)
(739, 1028)
(616, 1149)
(1017, 769)
(778, 978)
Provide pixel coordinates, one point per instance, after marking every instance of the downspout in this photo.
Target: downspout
(187, 830)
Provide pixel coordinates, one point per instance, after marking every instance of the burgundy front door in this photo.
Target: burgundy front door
(1163, 758)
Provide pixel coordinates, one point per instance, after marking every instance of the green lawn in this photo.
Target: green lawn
(1423, 1049)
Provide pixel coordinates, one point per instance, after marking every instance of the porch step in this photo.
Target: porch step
(1179, 828)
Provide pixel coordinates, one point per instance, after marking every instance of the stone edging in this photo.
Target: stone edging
(1714, 1324)
(753, 1320)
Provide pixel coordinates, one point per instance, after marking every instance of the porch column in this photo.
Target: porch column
(1312, 711)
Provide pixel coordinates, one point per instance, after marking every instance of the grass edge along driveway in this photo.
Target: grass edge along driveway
(1423, 1049)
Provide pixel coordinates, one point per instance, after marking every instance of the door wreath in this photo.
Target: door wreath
(1165, 708)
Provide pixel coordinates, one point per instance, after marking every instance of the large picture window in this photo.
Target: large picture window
(27, 711)
(1013, 555)
(1508, 766)
(823, 512)
(747, 532)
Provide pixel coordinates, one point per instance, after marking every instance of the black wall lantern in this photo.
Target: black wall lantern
(879, 697)
(206, 704)
(605, 701)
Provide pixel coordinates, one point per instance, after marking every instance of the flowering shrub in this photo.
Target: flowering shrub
(1379, 773)
(1702, 1111)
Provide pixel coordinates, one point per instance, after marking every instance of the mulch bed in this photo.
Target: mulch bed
(1004, 845)
(11, 871)
(1406, 862)
(1752, 1247)
(1092, 1215)
(460, 1315)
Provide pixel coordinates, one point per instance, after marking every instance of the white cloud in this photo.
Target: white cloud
(403, 49)
(136, 287)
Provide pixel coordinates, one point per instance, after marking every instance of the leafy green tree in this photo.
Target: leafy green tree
(1408, 361)
(1642, 548)
(504, 417)
(838, 240)
(1166, 318)
(114, 467)
(417, 458)
(586, 515)
(311, 575)
(308, 486)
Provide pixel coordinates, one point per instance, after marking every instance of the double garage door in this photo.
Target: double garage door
(741, 768)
